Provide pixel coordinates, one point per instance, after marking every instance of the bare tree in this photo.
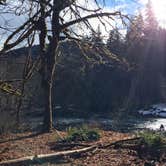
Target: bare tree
(55, 19)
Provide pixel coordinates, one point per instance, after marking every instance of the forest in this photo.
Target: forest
(82, 83)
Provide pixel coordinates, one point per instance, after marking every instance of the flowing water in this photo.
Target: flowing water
(117, 124)
(122, 122)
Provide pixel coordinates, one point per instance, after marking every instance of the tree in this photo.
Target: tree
(56, 29)
(96, 37)
(135, 39)
(150, 23)
(115, 43)
(143, 50)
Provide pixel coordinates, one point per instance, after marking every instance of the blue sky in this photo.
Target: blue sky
(128, 6)
(133, 6)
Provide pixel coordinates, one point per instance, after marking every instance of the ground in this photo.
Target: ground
(13, 146)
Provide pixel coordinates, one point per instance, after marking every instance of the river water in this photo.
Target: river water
(118, 124)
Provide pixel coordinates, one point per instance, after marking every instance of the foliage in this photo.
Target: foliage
(83, 133)
(8, 88)
(115, 42)
(134, 39)
(96, 37)
(153, 139)
(151, 24)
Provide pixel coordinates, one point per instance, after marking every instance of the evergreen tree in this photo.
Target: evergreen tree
(134, 39)
(135, 30)
(96, 37)
(151, 24)
(115, 43)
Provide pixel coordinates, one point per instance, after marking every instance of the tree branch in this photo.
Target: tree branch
(92, 16)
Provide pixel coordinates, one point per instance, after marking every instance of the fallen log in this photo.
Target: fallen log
(67, 145)
(45, 157)
(116, 143)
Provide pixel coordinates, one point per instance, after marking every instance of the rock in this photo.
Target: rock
(147, 112)
(162, 127)
(161, 106)
(155, 110)
(161, 114)
(140, 111)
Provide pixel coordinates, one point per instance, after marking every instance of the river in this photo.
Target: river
(118, 124)
(121, 122)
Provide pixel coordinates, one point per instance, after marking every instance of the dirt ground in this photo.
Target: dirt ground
(14, 146)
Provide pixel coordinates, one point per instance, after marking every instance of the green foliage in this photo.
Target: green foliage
(153, 139)
(83, 133)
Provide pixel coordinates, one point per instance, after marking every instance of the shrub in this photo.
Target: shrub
(83, 133)
(153, 139)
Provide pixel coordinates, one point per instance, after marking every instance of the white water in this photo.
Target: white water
(154, 124)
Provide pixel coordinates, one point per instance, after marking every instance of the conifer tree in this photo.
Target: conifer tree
(151, 24)
(96, 37)
(114, 42)
(135, 39)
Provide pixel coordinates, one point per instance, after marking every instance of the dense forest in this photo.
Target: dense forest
(126, 71)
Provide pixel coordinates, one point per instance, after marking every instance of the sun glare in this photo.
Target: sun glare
(159, 7)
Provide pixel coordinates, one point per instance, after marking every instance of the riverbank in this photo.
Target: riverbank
(14, 146)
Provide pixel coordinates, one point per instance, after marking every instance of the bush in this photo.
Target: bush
(83, 133)
(153, 139)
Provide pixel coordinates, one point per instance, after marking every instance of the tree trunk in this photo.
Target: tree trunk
(48, 123)
(20, 104)
(51, 55)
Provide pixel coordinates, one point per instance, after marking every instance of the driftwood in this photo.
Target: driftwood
(52, 156)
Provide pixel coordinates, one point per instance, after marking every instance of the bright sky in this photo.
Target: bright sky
(132, 6)
(159, 9)
(126, 6)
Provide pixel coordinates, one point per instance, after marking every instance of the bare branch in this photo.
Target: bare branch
(109, 15)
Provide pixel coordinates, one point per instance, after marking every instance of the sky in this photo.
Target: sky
(129, 7)
(159, 10)
(133, 6)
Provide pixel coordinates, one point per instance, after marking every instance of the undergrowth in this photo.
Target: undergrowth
(153, 139)
(83, 133)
